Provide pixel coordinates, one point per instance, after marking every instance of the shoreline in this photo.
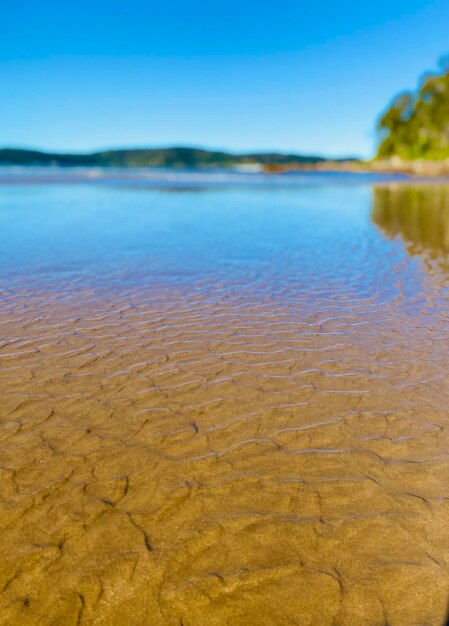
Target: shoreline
(382, 171)
(394, 165)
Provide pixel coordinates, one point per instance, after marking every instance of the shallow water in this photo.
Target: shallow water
(224, 405)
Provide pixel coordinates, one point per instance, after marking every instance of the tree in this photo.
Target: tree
(416, 125)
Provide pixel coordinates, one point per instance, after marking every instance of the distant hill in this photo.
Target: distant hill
(416, 124)
(153, 157)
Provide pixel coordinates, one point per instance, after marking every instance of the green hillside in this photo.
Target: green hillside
(156, 157)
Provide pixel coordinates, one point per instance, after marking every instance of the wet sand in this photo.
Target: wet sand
(214, 454)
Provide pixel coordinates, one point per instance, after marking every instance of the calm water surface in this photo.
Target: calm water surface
(224, 403)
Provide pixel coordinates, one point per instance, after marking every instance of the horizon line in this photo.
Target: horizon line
(175, 146)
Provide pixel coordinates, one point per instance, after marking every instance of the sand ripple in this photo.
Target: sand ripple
(169, 458)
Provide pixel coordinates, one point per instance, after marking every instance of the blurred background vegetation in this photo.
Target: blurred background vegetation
(416, 124)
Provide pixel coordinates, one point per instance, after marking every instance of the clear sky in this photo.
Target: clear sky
(291, 75)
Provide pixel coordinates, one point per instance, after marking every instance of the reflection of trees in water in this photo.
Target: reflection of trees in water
(419, 215)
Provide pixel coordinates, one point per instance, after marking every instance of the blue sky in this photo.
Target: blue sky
(287, 75)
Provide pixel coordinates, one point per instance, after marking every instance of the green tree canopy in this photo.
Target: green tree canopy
(416, 124)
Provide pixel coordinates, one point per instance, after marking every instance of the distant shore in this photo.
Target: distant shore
(393, 165)
(200, 160)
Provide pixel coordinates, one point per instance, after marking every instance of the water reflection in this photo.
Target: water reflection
(419, 215)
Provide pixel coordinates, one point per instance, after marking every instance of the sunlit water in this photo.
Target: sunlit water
(224, 403)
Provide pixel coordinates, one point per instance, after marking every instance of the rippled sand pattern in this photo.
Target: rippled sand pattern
(177, 459)
(226, 408)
